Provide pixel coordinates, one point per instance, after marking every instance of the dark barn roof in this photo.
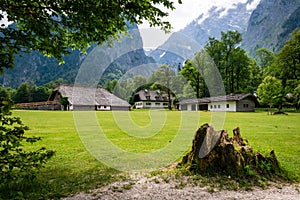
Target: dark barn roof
(231, 97)
(151, 95)
(81, 95)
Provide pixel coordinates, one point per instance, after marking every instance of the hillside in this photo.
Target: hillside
(38, 69)
(207, 25)
(271, 23)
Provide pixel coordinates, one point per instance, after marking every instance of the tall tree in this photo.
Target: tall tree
(23, 94)
(4, 94)
(164, 77)
(196, 72)
(53, 27)
(286, 67)
(265, 59)
(287, 63)
(297, 96)
(239, 70)
(288, 58)
(270, 92)
(255, 77)
(230, 59)
(192, 74)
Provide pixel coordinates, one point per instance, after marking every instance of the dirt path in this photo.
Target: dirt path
(157, 189)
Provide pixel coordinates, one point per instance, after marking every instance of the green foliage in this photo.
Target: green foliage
(297, 94)
(73, 24)
(249, 171)
(230, 59)
(193, 71)
(4, 93)
(270, 91)
(27, 92)
(164, 77)
(16, 164)
(287, 63)
(255, 77)
(110, 85)
(265, 58)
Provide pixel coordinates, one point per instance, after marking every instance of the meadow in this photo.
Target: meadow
(77, 166)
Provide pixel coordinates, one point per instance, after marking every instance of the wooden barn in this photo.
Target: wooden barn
(69, 97)
(87, 98)
(230, 103)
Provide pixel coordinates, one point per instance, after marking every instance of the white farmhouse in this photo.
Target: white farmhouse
(150, 99)
(230, 103)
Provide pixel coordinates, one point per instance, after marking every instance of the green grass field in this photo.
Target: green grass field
(74, 169)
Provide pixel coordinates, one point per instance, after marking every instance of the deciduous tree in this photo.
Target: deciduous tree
(270, 92)
(164, 77)
(230, 59)
(53, 27)
(265, 59)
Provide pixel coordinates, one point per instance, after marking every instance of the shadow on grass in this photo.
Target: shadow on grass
(57, 183)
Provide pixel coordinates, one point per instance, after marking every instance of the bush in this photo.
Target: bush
(16, 164)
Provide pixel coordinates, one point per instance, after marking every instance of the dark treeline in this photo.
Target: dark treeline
(28, 92)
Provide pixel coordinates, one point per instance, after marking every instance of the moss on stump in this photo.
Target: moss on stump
(214, 152)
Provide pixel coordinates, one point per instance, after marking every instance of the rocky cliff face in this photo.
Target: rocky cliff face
(207, 25)
(271, 23)
(217, 20)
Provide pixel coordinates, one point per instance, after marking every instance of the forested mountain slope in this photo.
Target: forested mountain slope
(271, 24)
(38, 69)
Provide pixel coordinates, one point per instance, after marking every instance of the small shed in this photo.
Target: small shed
(87, 98)
(230, 103)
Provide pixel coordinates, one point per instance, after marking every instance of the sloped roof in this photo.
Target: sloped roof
(230, 97)
(81, 95)
(152, 95)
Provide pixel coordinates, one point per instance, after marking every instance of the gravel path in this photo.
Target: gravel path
(154, 188)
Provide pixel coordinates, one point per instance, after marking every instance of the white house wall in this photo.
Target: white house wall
(228, 106)
(144, 104)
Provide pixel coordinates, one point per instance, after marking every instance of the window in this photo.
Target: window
(157, 104)
(148, 104)
(193, 107)
(215, 106)
(148, 98)
(227, 106)
(211, 106)
(165, 104)
(219, 106)
(245, 105)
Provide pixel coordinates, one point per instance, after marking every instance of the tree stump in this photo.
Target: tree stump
(214, 152)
